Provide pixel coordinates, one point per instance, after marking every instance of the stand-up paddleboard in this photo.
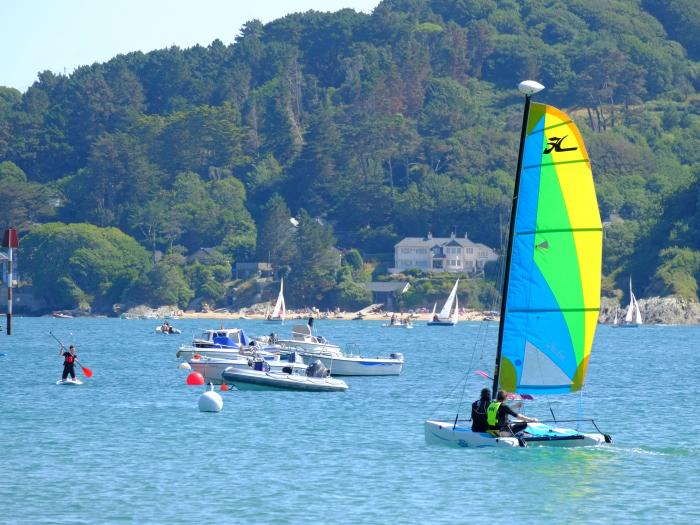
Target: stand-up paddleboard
(75, 381)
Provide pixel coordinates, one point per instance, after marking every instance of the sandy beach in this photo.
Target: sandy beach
(465, 315)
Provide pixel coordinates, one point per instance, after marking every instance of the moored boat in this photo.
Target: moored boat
(212, 368)
(268, 380)
(449, 315)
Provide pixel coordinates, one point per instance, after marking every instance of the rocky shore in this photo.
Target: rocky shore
(655, 310)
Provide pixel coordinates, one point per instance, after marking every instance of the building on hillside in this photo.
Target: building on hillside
(441, 254)
(243, 270)
(205, 256)
(388, 292)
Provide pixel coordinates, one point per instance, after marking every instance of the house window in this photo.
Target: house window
(405, 250)
(470, 250)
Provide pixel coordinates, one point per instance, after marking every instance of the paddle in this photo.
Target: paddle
(85, 369)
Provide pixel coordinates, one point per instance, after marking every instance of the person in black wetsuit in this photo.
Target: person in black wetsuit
(497, 417)
(69, 359)
(479, 423)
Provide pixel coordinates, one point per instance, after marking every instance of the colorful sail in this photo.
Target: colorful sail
(554, 283)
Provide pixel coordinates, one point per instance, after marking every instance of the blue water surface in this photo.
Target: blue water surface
(130, 446)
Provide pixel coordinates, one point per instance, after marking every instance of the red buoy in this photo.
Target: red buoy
(223, 387)
(195, 378)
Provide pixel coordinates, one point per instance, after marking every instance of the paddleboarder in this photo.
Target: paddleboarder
(69, 359)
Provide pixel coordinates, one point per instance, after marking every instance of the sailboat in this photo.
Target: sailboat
(551, 288)
(633, 317)
(279, 312)
(448, 316)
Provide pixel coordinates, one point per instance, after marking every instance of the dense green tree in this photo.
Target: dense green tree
(81, 265)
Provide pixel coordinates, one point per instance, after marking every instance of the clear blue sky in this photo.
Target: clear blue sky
(60, 35)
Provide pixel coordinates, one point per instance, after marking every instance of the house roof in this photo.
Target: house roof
(388, 286)
(424, 242)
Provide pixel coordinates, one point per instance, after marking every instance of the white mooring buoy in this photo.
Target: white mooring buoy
(210, 401)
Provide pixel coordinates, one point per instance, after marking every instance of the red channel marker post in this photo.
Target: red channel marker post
(11, 242)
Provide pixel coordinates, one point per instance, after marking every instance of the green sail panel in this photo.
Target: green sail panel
(554, 283)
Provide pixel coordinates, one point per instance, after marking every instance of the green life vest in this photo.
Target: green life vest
(492, 413)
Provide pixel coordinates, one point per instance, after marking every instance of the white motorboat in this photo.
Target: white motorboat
(223, 343)
(341, 364)
(211, 368)
(303, 339)
(262, 379)
(312, 347)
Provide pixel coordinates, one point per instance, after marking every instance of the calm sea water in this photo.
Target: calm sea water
(131, 446)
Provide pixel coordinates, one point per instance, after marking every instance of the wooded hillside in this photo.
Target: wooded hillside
(383, 126)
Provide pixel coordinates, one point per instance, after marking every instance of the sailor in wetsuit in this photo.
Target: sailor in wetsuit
(479, 423)
(497, 417)
(69, 359)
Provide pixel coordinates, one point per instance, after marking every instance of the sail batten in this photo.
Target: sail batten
(553, 298)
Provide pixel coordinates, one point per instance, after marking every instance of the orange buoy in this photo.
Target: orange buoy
(195, 378)
(223, 387)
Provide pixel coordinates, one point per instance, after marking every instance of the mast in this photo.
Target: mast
(529, 88)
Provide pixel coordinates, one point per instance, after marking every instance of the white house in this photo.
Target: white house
(441, 254)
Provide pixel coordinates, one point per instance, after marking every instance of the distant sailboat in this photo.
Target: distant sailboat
(633, 317)
(449, 315)
(279, 312)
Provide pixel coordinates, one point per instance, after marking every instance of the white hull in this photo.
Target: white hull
(397, 325)
(256, 380)
(188, 352)
(307, 346)
(159, 329)
(212, 368)
(357, 366)
(446, 433)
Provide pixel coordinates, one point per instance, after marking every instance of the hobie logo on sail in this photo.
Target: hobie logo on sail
(555, 145)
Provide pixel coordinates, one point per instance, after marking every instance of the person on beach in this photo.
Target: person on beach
(479, 423)
(497, 417)
(69, 359)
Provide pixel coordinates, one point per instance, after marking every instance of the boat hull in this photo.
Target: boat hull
(357, 366)
(446, 433)
(256, 380)
(213, 368)
(441, 323)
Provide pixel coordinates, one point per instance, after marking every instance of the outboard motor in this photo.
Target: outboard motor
(397, 355)
(317, 369)
(261, 366)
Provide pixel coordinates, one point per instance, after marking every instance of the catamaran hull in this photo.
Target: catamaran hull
(441, 323)
(446, 433)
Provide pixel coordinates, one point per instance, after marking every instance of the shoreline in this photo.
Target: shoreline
(341, 316)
